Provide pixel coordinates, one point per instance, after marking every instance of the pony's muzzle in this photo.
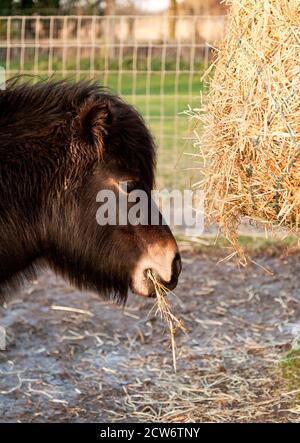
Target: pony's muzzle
(165, 265)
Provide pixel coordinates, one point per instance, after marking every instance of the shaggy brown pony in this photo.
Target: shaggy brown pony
(60, 143)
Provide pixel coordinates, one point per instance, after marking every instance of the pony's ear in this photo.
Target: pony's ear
(94, 121)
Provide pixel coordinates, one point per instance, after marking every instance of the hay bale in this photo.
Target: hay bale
(251, 120)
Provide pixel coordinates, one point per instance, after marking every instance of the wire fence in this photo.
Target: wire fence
(154, 62)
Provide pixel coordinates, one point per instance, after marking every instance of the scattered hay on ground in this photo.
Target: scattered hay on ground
(67, 366)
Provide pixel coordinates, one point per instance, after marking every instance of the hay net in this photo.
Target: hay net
(251, 121)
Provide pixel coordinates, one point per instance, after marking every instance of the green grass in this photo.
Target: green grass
(102, 63)
(290, 365)
(252, 244)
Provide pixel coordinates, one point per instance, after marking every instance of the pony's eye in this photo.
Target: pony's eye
(131, 185)
(127, 186)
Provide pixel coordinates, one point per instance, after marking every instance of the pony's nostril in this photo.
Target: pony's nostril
(151, 271)
(176, 266)
(164, 265)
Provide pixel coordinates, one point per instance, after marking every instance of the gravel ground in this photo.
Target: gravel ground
(109, 363)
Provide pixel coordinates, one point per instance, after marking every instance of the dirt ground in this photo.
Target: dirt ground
(113, 364)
